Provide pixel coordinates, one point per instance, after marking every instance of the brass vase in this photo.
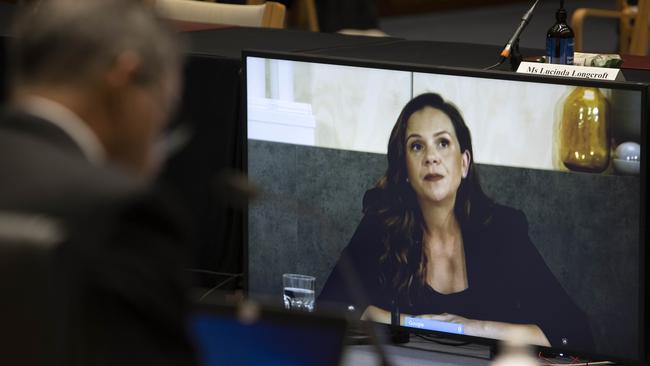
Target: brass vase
(584, 131)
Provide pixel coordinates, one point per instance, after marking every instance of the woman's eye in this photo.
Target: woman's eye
(443, 143)
(416, 146)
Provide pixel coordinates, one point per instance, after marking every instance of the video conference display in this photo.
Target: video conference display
(469, 205)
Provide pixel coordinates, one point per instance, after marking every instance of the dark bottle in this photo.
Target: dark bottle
(560, 40)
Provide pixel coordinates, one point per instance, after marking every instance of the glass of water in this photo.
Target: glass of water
(298, 291)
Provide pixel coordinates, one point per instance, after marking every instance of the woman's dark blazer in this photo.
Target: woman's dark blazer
(508, 280)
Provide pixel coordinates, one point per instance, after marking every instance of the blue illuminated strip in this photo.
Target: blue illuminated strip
(436, 325)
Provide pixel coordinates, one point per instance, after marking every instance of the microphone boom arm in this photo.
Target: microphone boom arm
(511, 49)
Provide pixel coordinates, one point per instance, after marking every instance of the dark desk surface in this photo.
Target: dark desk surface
(426, 53)
(229, 42)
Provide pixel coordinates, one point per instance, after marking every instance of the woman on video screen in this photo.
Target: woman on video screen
(432, 245)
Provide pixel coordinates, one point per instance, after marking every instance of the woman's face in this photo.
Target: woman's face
(434, 161)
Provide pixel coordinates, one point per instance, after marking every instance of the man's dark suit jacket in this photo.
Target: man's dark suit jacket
(116, 296)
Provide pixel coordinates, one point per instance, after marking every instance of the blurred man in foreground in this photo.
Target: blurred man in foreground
(93, 84)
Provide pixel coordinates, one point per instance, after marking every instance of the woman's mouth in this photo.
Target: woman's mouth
(432, 177)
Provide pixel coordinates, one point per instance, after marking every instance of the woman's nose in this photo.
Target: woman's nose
(432, 158)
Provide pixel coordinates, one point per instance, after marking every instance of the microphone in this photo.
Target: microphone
(397, 335)
(510, 50)
(515, 37)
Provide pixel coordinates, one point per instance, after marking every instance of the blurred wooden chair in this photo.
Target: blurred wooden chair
(633, 25)
(268, 15)
(303, 13)
(639, 39)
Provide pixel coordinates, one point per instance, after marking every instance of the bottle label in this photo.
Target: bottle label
(559, 50)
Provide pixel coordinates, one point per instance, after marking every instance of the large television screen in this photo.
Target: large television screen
(462, 202)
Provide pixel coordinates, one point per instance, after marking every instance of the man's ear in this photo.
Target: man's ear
(465, 163)
(124, 70)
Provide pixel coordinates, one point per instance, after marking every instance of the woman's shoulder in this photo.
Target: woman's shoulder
(373, 199)
(371, 225)
(501, 216)
(371, 228)
(504, 224)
